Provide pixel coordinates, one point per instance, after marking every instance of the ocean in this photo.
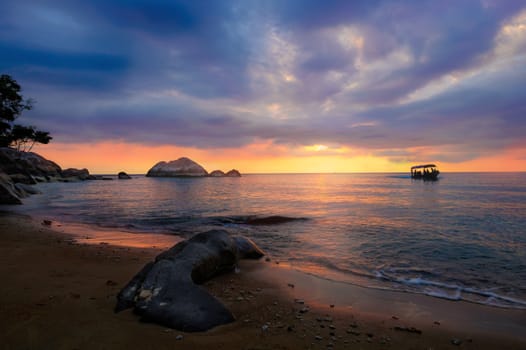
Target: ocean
(460, 238)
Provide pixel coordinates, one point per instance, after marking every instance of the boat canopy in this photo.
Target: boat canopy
(423, 166)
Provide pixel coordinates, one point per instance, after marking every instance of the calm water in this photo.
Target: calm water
(462, 238)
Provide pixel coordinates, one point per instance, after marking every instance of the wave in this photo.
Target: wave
(452, 291)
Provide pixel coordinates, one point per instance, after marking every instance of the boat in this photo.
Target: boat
(425, 172)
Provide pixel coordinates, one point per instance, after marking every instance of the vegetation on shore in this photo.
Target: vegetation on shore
(12, 104)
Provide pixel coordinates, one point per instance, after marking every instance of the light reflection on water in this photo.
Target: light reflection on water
(461, 237)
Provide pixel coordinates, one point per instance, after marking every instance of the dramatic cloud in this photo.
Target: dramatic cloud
(395, 78)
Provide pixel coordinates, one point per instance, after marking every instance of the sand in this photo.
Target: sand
(58, 292)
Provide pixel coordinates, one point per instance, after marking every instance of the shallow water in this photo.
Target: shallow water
(462, 237)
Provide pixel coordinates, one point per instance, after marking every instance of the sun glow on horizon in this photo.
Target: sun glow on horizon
(110, 158)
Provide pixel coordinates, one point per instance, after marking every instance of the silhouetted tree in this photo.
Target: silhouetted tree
(12, 104)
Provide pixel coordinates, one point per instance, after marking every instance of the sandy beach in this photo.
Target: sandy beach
(59, 293)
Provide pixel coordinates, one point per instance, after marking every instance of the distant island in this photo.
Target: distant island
(185, 167)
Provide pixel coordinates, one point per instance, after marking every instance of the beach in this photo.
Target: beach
(59, 293)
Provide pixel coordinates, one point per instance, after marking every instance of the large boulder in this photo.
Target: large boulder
(182, 167)
(76, 174)
(26, 166)
(165, 291)
(9, 194)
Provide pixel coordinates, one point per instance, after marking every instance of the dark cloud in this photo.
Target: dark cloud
(204, 74)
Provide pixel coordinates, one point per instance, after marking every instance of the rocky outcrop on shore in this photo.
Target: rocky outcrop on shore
(185, 167)
(27, 167)
(165, 291)
(76, 174)
(19, 170)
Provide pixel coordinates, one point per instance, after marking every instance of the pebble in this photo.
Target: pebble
(304, 310)
(264, 328)
(290, 285)
(331, 326)
(299, 301)
(408, 329)
(179, 337)
(318, 337)
(456, 341)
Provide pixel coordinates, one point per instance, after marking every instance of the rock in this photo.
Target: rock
(270, 220)
(23, 179)
(123, 176)
(456, 342)
(27, 165)
(22, 187)
(80, 174)
(8, 192)
(233, 173)
(165, 291)
(217, 173)
(182, 167)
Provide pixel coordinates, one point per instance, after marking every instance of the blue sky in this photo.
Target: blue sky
(392, 79)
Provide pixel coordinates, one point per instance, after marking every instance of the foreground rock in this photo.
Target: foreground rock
(165, 291)
(182, 167)
(8, 192)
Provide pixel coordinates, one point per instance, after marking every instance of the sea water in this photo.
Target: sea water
(461, 238)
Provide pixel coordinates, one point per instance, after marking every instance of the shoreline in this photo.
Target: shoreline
(60, 293)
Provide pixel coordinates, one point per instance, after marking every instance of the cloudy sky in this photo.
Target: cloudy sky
(277, 86)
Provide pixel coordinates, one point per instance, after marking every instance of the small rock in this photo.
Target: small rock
(304, 310)
(456, 341)
(290, 285)
(111, 283)
(318, 337)
(179, 337)
(299, 301)
(331, 326)
(332, 305)
(47, 222)
(264, 328)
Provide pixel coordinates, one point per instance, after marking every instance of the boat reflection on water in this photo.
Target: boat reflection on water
(425, 172)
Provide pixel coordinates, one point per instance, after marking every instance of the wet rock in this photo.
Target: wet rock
(165, 291)
(271, 220)
(8, 193)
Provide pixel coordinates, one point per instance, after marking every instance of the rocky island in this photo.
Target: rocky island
(185, 167)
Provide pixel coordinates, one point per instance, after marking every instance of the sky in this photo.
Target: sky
(272, 85)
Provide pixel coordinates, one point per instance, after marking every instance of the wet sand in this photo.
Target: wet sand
(59, 293)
